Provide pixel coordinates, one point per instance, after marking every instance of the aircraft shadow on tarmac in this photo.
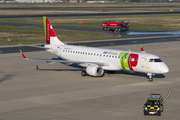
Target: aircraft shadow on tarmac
(139, 74)
(79, 69)
(6, 77)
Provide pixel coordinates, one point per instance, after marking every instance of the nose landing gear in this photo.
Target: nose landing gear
(150, 79)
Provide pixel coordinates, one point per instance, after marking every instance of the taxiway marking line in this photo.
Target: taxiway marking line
(169, 93)
(151, 117)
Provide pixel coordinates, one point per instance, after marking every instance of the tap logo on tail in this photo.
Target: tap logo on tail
(49, 32)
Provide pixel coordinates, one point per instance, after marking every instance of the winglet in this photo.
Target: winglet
(23, 55)
(142, 50)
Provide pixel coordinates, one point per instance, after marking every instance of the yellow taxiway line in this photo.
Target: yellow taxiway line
(169, 93)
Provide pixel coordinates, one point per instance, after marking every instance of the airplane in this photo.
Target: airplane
(94, 61)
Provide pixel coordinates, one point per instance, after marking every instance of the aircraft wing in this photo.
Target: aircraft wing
(64, 61)
(42, 46)
(36, 46)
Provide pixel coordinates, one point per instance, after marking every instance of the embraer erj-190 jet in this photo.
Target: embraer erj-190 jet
(95, 60)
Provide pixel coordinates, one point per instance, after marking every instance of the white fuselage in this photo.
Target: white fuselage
(116, 59)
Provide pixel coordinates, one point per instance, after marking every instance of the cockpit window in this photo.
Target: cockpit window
(151, 60)
(157, 60)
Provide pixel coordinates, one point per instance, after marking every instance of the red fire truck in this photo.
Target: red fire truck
(116, 26)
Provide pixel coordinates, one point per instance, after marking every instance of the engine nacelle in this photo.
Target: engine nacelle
(95, 70)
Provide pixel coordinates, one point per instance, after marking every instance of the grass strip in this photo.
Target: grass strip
(148, 22)
(10, 35)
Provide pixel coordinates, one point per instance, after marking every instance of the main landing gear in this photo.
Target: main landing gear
(150, 79)
(84, 73)
(110, 72)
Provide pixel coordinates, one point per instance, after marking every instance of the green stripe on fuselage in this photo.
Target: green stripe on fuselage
(124, 60)
(44, 19)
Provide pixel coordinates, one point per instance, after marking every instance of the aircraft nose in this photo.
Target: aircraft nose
(165, 69)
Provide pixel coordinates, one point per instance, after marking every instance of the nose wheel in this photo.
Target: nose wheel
(150, 79)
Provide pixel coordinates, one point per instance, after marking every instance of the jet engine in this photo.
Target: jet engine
(95, 70)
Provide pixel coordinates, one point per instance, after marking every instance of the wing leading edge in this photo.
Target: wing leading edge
(64, 61)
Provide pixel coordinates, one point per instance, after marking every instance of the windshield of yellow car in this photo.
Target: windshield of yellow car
(153, 102)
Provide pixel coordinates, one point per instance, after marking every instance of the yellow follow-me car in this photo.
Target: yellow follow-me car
(154, 105)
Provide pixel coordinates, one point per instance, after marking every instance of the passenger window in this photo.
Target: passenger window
(112, 56)
(97, 54)
(106, 55)
(109, 55)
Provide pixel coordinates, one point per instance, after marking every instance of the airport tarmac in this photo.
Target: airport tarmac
(59, 92)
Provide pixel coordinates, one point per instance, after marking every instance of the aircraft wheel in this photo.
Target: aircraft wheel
(110, 72)
(150, 79)
(83, 73)
(107, 29)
